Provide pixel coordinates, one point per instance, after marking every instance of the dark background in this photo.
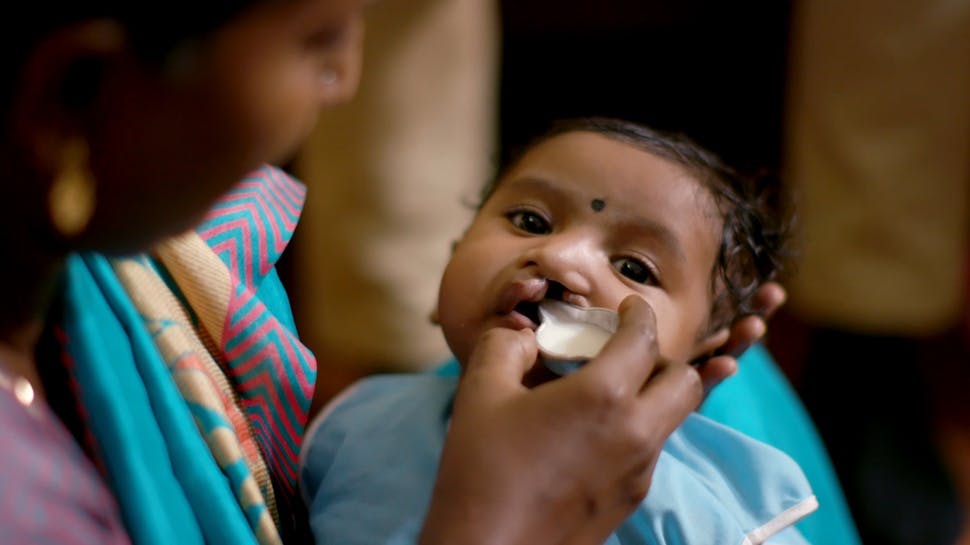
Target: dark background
(714, 70)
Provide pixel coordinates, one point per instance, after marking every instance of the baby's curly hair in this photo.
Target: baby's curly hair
(757, 225)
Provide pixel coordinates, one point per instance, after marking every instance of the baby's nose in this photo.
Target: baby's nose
(568, 265)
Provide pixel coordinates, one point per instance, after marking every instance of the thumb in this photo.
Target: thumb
(497, 366)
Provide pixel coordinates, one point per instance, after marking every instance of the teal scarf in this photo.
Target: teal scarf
(168, 484)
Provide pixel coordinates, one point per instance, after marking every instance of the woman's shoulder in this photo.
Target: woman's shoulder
(55, 494)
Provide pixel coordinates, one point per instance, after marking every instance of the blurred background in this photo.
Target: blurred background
(862, 109)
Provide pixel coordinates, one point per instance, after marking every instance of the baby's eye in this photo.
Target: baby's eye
(635, 270)
(530, 222)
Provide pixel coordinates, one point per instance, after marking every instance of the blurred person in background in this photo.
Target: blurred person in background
(878, 155)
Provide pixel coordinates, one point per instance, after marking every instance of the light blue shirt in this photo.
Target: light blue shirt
(369, 463)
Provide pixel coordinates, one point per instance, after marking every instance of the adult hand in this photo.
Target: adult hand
(744, 333)
(565, 462)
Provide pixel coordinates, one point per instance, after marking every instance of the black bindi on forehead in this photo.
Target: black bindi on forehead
(597, 204)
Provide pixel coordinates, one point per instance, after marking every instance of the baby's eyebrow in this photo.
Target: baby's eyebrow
(539, 187)
(533, 183)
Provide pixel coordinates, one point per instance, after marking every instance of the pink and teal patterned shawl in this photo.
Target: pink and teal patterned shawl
(194, 384)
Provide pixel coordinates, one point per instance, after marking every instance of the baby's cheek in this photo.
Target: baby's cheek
(454, 317)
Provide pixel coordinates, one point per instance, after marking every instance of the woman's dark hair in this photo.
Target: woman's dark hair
(756, 225)
(155, 29)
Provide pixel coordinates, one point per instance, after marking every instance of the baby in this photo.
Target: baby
(594, 211)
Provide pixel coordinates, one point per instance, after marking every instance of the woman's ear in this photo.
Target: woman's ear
(57, 86)
(706, 347)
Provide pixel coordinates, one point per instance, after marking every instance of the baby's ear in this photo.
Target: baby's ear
(706, 347)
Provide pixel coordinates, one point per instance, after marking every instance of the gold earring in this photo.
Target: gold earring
(72, 196)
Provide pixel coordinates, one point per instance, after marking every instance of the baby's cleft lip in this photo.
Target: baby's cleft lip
(519, 303)
(530, 290)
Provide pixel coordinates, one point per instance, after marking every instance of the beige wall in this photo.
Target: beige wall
(390, 176)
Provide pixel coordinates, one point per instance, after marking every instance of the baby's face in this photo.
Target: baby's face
(588, 220)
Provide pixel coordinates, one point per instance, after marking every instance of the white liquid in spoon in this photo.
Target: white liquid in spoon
(570, 335)
(574, 340)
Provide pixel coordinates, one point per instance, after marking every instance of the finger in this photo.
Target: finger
(744, 333)
(715, 370)
(749, 329)
(631, 354)
(496, 365)
(769, 298)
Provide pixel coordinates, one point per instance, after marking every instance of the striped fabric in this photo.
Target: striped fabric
(271, 371)
(193, 383)
(204, 387)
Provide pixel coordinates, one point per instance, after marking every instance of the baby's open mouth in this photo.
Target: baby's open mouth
(530, 309)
